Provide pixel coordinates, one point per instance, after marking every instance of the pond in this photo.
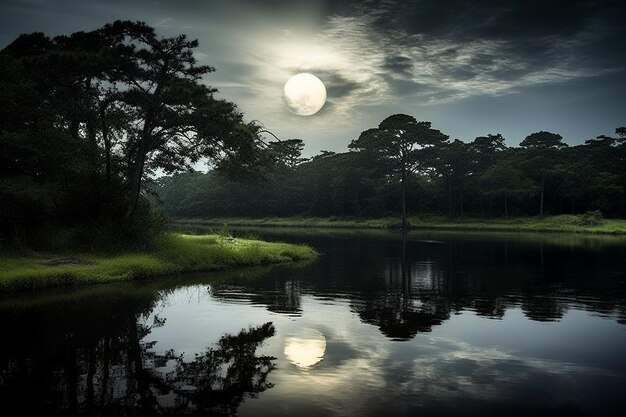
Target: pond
(437, 323)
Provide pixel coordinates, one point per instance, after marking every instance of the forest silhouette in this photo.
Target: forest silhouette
(87, 119)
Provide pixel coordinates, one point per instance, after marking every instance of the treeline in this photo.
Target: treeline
(86, 118)
(406, 165)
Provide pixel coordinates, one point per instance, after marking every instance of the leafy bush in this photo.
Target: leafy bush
(103, 234)
(592, 218)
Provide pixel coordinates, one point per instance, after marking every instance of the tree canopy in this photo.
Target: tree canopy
(86, 118)
(484, 177)
(401, 146)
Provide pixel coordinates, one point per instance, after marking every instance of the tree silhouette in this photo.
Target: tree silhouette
(203, 385)
(541, 157)
(119, 102)
(402, 146)
(506, 182)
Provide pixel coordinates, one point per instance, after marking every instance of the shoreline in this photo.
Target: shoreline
(547, 224)
(174, 253)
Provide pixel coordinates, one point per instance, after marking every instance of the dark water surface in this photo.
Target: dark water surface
(444, 324)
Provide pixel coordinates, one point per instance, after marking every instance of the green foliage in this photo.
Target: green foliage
(481, 178)
(171, 253)
(102, 235)
(502, 180)
(86, 117)
(592, 218)
(564, 223)
(542, 141)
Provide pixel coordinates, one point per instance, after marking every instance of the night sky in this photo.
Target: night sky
(469, 67)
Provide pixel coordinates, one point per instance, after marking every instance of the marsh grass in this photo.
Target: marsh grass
(171, 253)
(560, 224)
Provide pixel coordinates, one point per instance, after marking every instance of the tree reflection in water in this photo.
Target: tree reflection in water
(95, 362)
(89, 351)
(398, 313)
(460, 275)
(406, 284)
(218, 380)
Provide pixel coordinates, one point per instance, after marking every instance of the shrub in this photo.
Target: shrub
(592, 218)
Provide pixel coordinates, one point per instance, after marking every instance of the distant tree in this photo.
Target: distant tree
(361, 183)
(351, 183)
(402, 146)
(605, 157)
(489, 145)
(541, 158)
(484, 151)
(621, 133)
(503, 180)
(288, 152)
(573, 171)
(453, 166)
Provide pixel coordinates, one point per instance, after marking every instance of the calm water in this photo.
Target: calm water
(442, 324)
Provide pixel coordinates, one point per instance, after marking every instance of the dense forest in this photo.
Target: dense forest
(406, 164)
(87, 118)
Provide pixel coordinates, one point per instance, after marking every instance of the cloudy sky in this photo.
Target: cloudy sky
(469, 67)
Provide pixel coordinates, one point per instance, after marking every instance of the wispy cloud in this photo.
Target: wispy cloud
(390, 61)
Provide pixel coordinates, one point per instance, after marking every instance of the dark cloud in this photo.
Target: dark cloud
(497, 19)
(403, 87)
(451, 61)
(535, 33)
(337, 86)
(398, 64)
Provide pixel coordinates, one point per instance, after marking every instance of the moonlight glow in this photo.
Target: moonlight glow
(304, 94)
(306, 348)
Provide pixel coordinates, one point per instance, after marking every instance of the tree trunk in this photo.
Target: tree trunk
(74, 128)
(19, 235)
(482, 209)
(624, 199)
(137, 171)
(543, 186)
(449, 199)
(406, 283)
(135, 356)
(403, 186)
(107, 143)
(506, 206)
(91, 127)
(105, 371)
(91, 371)
(135, 184)
(71, 375)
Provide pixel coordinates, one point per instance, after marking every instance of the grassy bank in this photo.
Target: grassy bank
(557, 224)
(172, 253)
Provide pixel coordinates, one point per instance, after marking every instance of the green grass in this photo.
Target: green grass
(172, 253)
(559, 224)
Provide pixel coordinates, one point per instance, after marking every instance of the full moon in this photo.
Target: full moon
(304, 94)
(305, 348)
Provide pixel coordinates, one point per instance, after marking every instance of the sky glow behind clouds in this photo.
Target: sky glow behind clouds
(471, 68)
